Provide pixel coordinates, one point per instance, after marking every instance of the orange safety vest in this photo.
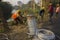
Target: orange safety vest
(14, 16)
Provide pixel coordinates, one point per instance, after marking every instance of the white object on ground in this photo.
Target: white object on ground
(46, 34)
(10, 20)
(39, 34)
(32, 24)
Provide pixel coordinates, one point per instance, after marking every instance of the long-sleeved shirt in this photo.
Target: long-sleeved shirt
(58, 9)
(51, 9)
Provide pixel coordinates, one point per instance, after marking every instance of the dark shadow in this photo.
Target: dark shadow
(55, 26)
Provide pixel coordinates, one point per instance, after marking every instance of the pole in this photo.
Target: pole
(34, 5)
(41, 3)
(31, 24)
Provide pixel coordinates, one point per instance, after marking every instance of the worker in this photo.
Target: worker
(17, 17)
(57, 10)
(42, 11)
(51, 12)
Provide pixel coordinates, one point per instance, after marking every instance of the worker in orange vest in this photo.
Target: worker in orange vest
(17, 16)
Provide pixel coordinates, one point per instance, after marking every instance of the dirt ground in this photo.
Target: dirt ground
(19, 32)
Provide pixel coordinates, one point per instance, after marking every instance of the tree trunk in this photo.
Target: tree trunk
(4, 22)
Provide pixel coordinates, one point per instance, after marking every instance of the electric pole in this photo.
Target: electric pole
(40, 3)
(33, 5)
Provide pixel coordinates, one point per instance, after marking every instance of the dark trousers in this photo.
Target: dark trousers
(57, 14)
(41, 14)
(50, 16)
(18, 20)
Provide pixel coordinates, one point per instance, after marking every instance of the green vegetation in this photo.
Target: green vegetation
(6, 8)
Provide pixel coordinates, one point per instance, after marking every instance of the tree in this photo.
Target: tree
(7, 8)
(19, 3)
(5, 11)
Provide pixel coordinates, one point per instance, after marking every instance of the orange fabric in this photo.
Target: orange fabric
(14, 16)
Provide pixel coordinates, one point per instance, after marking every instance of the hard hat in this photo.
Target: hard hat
(18, 10)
